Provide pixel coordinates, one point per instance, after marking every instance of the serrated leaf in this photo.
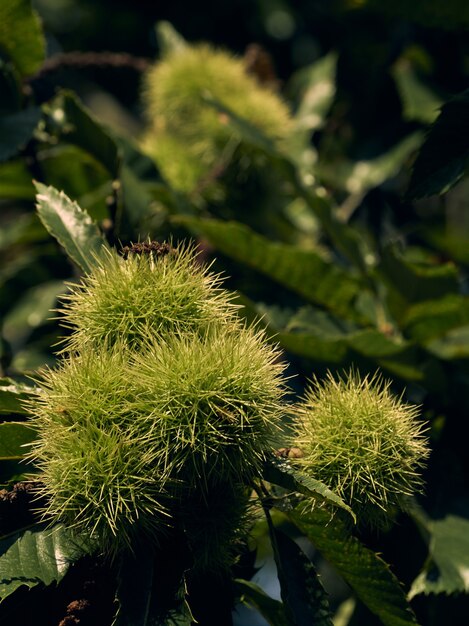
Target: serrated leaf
(367, 574)
(21, 36)
(303, 595)
(16, 130)
(13, 395)
(447, 566)
(77, 125)
(253, 596)
(302, 271)
(36, 556)
(280, 472)
(70, 225)
(15, 438)
(444, 156)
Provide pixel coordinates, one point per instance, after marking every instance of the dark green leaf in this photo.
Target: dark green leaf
(444, 157)
(76, 125)
(303, 595)
(280, 472)
(446, 568)
(70, 225)
(135, 592)
(36, 556)
(16, 130)
(253, 596)
(21, 36)
(15, 438)
(302, 271)
(13, 395)
(367, 574)
(417, 281)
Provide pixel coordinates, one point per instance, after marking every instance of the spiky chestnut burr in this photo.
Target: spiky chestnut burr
(363, 442)
(144, 293)
(187, 136)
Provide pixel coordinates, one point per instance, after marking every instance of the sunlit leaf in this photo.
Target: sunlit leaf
(70, 225)
(36, 556)
(418, 101)
(13, 395)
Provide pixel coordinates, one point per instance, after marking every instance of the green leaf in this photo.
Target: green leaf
(36, 556)
(31, 311)
(12, 396)
(418, 101)
(14, 440)
(16, 130)
(367, 574)
(347, 240)
(444, 156)
(15, 181)
(357, 177)
(280, 472)
(169, 40)
(21, 36)
(447, 566)
(302, 271)
(253, 596)
(135, 592)
(313, 87)
(303, 595)
(70, 225)
(76, 125)
(417, 281)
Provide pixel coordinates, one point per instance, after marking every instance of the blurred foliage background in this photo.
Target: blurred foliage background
(351, 242)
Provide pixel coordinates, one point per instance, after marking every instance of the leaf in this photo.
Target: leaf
(447, 566)
(36, 556)
(313, 87)
(135, 592)
(14, 440)
(303, 271)
(418, 101)
(12, 396)
(416, 282)
(31, 311)
(357, 177)
(347, 240)
(303, 595)
(70, 225)
(280, 472)
(16, 129)
(444, 156)
(15, 181)
(76, 125)
(253, 596)
(21, 36)
(367, 574)
(169, 40)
